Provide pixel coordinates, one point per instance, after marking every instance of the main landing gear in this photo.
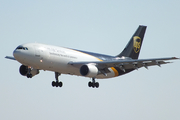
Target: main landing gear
(93, 83)
(57, 83)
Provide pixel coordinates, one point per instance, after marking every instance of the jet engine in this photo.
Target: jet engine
(24, 71)
(89, 70)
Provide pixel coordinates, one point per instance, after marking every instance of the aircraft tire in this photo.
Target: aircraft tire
(97, 84)
(53, 83)
(60, 84)
(57, 84)
(93, 85)
(90, 84)
(29, 75)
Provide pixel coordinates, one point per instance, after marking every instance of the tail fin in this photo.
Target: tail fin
(133, 48)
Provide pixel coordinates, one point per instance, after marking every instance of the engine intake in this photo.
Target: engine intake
(24, 71)
(89, 70)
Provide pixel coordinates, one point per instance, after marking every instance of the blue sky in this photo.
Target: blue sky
(96, 26)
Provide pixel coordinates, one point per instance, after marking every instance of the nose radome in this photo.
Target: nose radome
(15, 54)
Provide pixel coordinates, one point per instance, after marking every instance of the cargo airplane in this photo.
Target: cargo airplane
(35, 57)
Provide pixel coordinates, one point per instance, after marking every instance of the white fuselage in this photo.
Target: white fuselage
(53, 58)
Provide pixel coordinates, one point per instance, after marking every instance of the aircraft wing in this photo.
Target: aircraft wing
(124, 64)
(11, 58)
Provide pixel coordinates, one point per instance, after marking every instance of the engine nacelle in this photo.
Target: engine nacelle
(89, 70)
(24, 71)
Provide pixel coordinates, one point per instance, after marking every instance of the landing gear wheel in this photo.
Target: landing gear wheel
(57, 83)
(93, 84)
(90, 84)
(60, 84)
(29, 75)
(53, 83)
(97, 84)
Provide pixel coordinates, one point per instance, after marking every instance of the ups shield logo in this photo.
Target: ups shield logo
(136, 43)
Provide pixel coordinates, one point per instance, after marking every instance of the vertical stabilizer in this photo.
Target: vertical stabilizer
(133, 47)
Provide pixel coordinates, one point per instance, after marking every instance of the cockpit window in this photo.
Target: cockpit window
(21, 47)
(26, 48)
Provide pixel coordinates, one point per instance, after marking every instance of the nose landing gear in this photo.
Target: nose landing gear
(29, 75)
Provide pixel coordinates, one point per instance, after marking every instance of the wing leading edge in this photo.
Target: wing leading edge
(11, 58)
(125, 65)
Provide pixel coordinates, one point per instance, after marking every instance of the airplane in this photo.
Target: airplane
(36, 56)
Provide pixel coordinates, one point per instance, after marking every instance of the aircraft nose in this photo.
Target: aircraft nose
(15, 54)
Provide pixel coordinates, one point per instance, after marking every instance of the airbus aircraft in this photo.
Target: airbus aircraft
(61, 60)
